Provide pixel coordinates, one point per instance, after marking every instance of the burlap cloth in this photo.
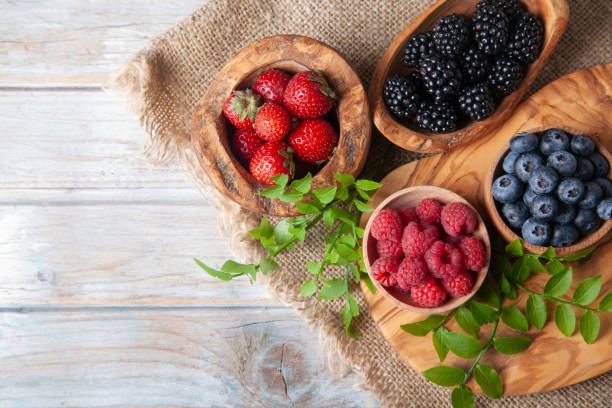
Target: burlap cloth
(164, 81)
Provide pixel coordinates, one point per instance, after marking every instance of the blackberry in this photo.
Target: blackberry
(477, 102)
(437, 117)
(490, 27)
(451, 35)
(441, 77)
(506, 76)
(419, 46)
(526, 39)
(475, 65)
(511, 8)
(401, 96)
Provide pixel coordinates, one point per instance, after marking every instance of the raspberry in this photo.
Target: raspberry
(443, 260)
(389, 249)
(429, 211)
(387, 225)
(458, 219)
(384, 270)
(408, 215)
(417, 239)
(453, 240)
(411, 272)
(473, 253)
(459, 285)
(428, 294)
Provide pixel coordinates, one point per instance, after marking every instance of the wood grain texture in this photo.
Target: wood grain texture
(554, 14)
(293, 54)
(581, 101)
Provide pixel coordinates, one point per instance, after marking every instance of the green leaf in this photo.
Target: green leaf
(536, 311)
(511, 345)
(520, 270)
(352, 303)
(347, 252)
(342, 193)
(213, 272)
(565, 319)
(438, 342)
(238, 268)
(309, 288)
(549, 253)
(302, 185)
(332, 289)
(423, 327)
(325, 195)
(502, 265)
(578, 255)
(359, 232)
(355, 272)
(513, 318)
(280, 179)
(462, 397)
(482, 313)
(313, 267)
(353, 332)
(328, 218)
(489, 381)
(514, 248)
(273, 192)
(307, 208)
(298, 232)
(555, 266)
(281, 232)
(342, 215)
(268, 265)
(488, 295)
(368, 282)
(346, 180)
(347, 316)
(559, 283)
(361, 206)
(445, 376)
(291, 197)
(348, 240)
(534, 264)
(606, 303)
(589, 326)
(504, 285)
(367, 185)
(363, 194)
(462, 345)
(588, 290)
(512, 295)
(466, 321)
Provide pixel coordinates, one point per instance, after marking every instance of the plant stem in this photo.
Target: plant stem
(446, 319)
(327, 252)
(484, 349)
(554, 299)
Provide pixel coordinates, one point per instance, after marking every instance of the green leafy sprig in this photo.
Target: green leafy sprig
(339, 208)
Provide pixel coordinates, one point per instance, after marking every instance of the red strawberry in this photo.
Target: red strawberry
(271, 159)
(313, 140)
(245, 143)
(308, 95)
(271, 85)
(272, 122)
(240, 108)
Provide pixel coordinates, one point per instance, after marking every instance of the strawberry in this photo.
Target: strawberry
(271, 85)
(308, 95)
(272, 122)
(245, 143)
(271, 159)
(240, 108)
(313, 140)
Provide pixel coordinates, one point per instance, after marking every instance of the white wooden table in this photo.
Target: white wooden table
(100, 302)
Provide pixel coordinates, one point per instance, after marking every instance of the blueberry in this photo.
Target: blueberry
(524, 142)
(543, 180)
(563, 162)
(587, 221)
(526, 164)
(529, 196)
(604, 209)
(507, 188)
(536, 231)
(570, 191)
(582, 145)
(600, 165)
(565, 214)
(592, 195)
(509, 161)
(516, 213)
(585, 169)
(564, 235)
(606, 186)
(544, 207)
(554, 140)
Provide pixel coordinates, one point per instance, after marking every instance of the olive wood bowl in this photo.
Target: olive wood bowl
(410, 197)
(507, 233)
(554, 15)
(290, 53)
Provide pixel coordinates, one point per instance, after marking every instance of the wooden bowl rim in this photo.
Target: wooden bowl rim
(507, 232)
(481, 233)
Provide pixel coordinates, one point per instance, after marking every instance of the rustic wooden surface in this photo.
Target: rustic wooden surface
(554, 15)
(100, 302)
(581, 101)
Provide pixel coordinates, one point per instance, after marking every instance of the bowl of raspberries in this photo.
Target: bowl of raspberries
(459, 70)
(283, 105)
(551, 187)
(426, 249)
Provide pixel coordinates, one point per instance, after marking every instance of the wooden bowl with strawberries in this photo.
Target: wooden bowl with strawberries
(283, 105)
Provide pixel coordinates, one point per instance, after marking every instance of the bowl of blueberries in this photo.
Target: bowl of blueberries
(551, 187)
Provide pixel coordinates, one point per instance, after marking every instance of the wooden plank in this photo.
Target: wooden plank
(255, 357)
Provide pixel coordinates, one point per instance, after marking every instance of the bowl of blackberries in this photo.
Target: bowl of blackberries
(551, 187)
(460, 69)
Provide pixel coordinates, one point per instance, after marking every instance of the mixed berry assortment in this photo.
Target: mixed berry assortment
(554, 190)
(428, 252)
(464, 67)
(278, 123)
